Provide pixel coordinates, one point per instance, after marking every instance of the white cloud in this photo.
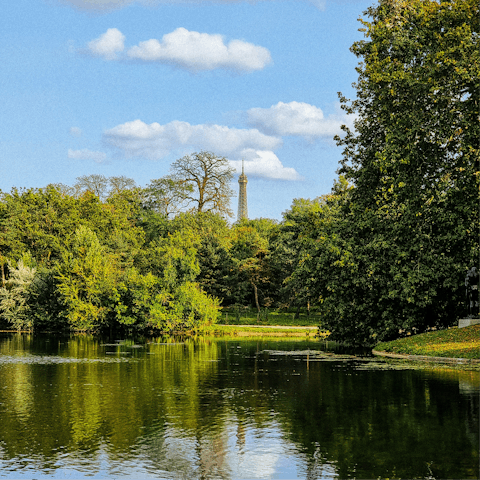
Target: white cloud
(108, 45)
(184, 49)
(201, 51)
(262, 163)
(155, 141)
(86, 154)
(75, 131)
(299, 119)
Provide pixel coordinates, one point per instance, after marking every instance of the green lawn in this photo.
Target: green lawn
(250, 316)
(454, 343)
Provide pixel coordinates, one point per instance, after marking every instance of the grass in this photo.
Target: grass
(250, 316)
(454, 343)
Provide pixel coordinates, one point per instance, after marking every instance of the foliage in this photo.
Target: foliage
(46, 311)
(43, 221)
(167, 195)
(107, 256)
(142, 301)
(248, 251)
(86, 280)
(15, 295)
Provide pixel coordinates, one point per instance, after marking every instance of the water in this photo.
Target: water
(81, 407)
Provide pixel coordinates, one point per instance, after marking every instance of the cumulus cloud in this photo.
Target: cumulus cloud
(108, 45)
(299, 119)
(201, 51)
(262, 163)
(75, 131)
(155, 141)
(184, 49)
(86, 154)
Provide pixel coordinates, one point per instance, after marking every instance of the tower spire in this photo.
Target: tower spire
(242, 194)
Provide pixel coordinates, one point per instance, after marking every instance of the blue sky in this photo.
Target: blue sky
(125, 87)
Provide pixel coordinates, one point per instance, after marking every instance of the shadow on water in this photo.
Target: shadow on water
(225, 408)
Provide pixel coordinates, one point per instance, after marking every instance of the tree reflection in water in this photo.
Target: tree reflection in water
(215, 408)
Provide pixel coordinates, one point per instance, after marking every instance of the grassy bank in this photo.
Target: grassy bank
(454, 343)
(261, 331)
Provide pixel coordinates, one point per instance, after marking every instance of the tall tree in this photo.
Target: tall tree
(249, 253)
(208, 177)
(414, 162)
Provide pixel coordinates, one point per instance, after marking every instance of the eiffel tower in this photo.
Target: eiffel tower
(242, 196)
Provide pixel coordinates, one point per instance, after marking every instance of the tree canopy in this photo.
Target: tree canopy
(413, 160)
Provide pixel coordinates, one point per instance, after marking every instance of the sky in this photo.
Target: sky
(126, 87)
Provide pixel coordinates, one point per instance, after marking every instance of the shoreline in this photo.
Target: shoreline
(426, 358)
(261, 331)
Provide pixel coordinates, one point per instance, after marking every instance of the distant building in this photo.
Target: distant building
(242, 196)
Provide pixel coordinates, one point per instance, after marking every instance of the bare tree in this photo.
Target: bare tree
(96, 184)
(119, 184)
(208, 180)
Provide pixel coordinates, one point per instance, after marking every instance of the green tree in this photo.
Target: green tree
(249, 251)
(167, 195)
(15, 295)
(87, 278)
(413, 216)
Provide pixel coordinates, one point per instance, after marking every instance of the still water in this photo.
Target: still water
(84, 407)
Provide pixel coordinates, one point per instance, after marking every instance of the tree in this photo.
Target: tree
(15, 295)
(205, 179)
(249, 250)
(295, 252)
(412, 218)
(87, 278)
(167, 195)
(120, 184)
(96, 184)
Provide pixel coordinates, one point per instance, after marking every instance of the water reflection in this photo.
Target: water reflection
(169, 408)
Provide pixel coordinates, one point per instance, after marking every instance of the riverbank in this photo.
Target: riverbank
(263, 331)
(456, 344)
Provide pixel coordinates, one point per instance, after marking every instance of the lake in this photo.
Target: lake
(86, 407)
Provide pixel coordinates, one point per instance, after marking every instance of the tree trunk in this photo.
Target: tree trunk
(256, 297)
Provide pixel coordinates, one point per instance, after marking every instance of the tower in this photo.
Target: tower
(242, 196)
